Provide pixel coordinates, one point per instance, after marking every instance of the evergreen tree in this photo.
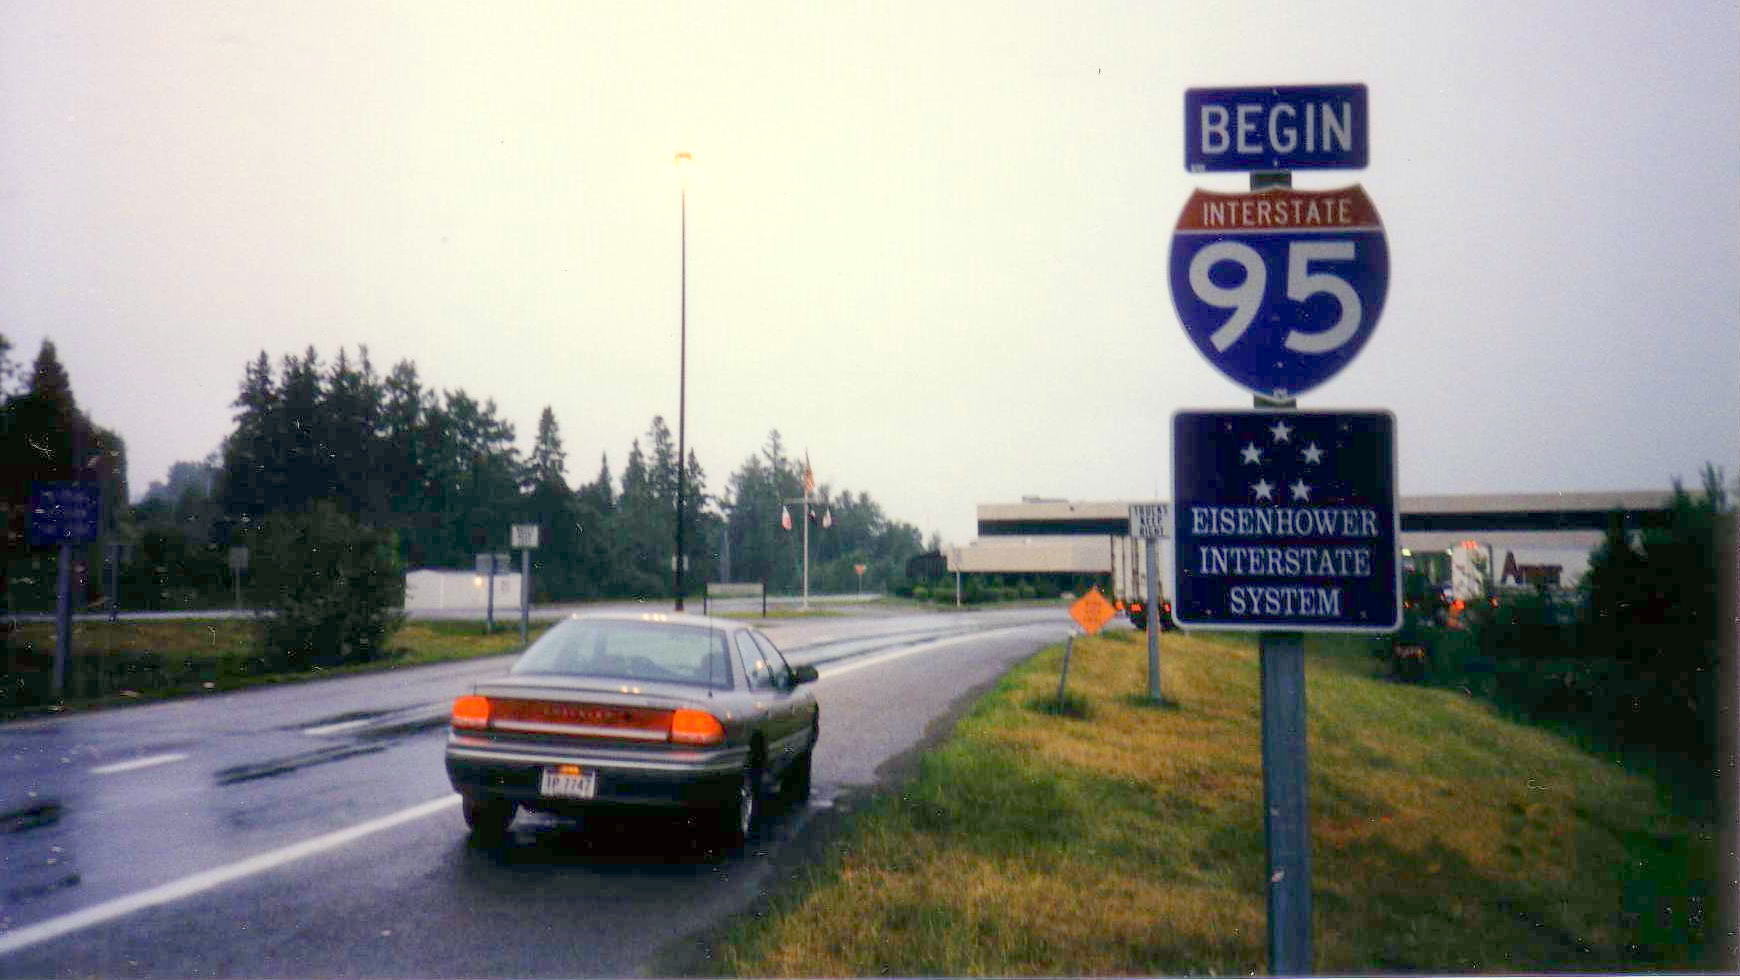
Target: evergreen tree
(556, 511)
(641, 549)
(595, 507)
(549, 464)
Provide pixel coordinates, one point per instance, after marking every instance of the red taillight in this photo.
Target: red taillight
(471, 711)
(691, 727)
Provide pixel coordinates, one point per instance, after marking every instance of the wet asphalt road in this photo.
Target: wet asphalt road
(310, 831)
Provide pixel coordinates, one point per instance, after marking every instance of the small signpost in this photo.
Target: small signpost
(1148, 523)
(64, 513)
(860, 568)
(1280, 289)
(1091, 612)
(525, 538)
(488, 565)
(238, 565)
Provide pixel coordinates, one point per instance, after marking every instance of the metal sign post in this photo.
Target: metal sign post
(487, 565)
(525, 538)
(238, 565)
(1148, 523)
(1279, 290)
(66, 513)
(1091, 612)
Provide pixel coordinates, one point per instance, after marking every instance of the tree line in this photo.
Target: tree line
(438, 471)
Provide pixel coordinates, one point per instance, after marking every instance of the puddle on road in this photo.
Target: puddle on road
(338, 719)
(410, 726)
(40, 814)
(23, 893)
(291, 763)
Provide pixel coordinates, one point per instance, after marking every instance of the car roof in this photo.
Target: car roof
(673, 618)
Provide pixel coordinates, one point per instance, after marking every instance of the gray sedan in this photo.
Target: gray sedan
(653, 710)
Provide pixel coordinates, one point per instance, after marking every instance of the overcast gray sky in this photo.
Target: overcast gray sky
(928, 242)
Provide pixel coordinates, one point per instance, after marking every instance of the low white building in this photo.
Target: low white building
(431, 589)
(1520, 538)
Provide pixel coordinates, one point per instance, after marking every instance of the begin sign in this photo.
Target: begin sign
(1286, 521)
(1294, 127)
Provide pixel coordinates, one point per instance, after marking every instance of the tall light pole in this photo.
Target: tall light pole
(682, 161)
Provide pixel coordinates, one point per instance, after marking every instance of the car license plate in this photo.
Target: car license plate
(580, 786)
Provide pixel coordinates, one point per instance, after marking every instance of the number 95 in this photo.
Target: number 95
(1246, 298)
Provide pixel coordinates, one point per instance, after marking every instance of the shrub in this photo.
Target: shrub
(330, 589)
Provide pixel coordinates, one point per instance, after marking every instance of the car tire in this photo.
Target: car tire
(797, 778)
(737, 817)
(488, 817)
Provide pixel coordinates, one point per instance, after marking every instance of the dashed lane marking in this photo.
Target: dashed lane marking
(143, 762)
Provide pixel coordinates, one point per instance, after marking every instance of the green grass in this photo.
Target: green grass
(1126, 838)
(176, 658)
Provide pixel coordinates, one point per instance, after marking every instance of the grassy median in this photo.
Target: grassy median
(135, 660)
(1130, 840)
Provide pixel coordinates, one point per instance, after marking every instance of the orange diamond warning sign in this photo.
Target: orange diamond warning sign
(1092, 611)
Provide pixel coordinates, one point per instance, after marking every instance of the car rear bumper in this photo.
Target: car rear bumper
(692, 780)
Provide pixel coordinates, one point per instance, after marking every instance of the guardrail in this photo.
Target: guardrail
(735, 590)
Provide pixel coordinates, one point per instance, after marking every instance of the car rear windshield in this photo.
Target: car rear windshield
(663, 653)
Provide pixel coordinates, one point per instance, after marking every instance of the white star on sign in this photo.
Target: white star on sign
(1300, 490)
(1281, 431)
(1312, 454)
(1264, 489)
(1251, 453)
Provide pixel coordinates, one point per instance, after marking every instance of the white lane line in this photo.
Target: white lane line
(193, 884)
(859, 664)
(143, 762)
(336, 727)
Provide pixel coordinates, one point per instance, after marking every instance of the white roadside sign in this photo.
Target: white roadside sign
(1149, 521)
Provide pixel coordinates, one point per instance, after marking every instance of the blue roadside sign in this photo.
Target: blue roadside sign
(1279, 288)
(1285, 520)
(1295, 127)
(64, 512)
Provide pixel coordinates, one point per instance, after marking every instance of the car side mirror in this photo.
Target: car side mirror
(803, 674)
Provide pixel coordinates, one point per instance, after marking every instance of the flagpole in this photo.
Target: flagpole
(806, 538)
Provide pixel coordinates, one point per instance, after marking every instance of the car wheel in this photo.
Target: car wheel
(488, 817)
(797, 778)
(737, 818)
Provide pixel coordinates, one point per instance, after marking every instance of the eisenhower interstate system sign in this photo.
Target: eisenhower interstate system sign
(1279, 288)
(1285, 520)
